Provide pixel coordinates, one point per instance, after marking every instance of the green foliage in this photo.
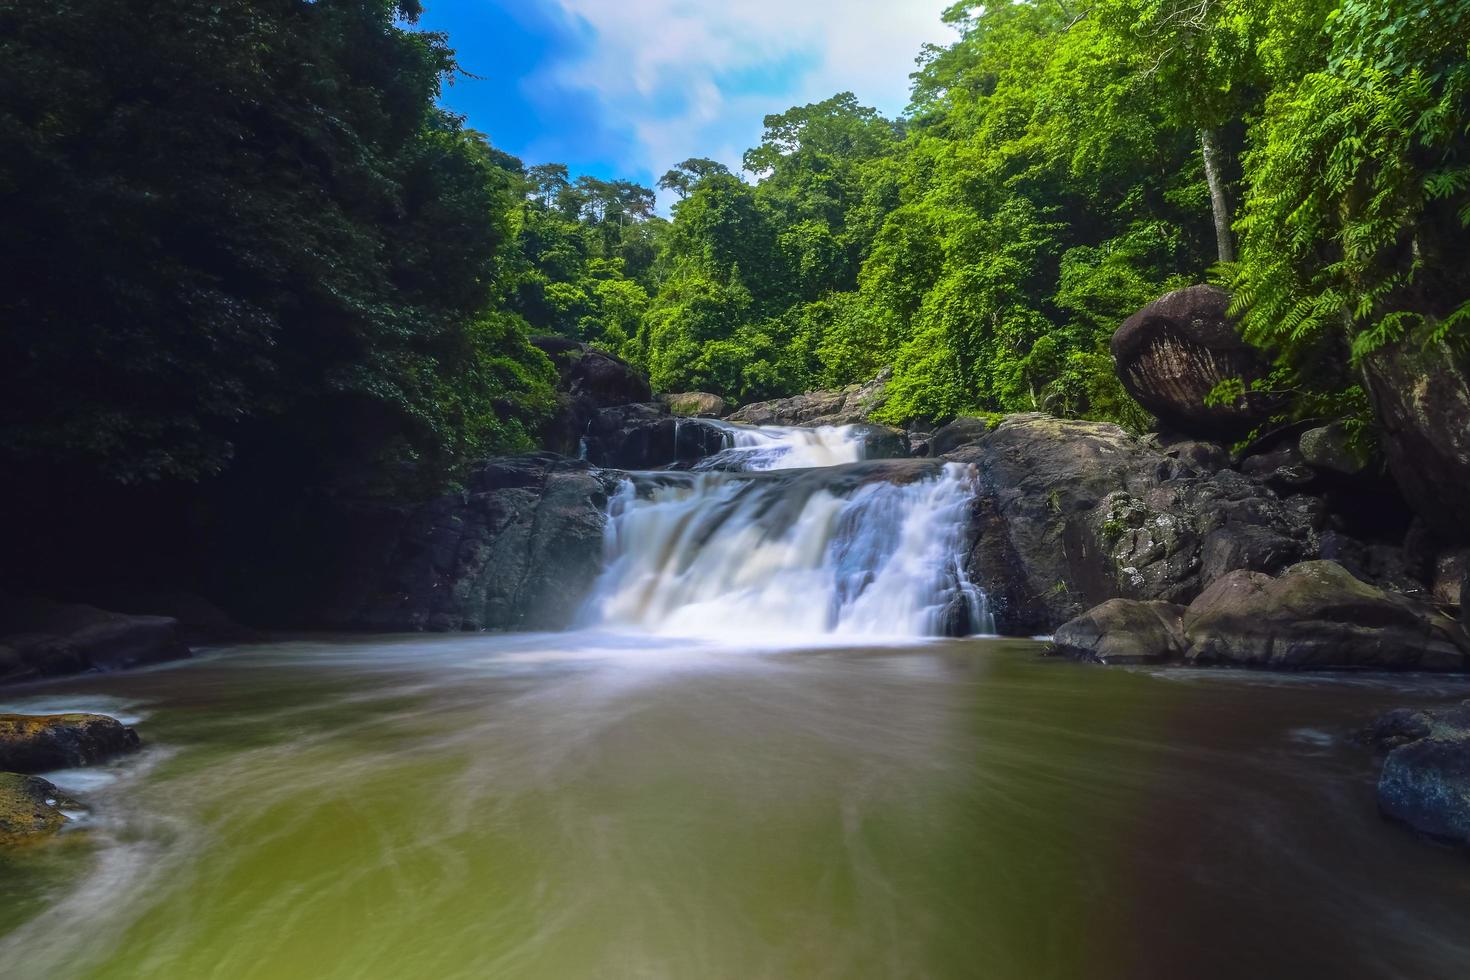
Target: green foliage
(242, 224)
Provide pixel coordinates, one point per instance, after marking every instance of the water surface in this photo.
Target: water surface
(585, 805)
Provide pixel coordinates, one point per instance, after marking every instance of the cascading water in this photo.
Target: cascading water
(787, 533)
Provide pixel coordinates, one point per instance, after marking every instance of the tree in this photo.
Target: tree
(684, 177)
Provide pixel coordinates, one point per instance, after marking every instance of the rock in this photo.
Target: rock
(1318, 615)
(1421, 396)
(1069, 514)
(588, 380)
(645, 436)
(41, 638)
(1329, 448)
(845, 406)
(960, 432)
(1243, 546)
(39, 743)
(1426, 778)
(1202, 455)
(519, 548)
(1451, 570)
(1124, 631)
(30, 808)
(200, 620)
(883, 442)
(1171, 354)
(695, 403)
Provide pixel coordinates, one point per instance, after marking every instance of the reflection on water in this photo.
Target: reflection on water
(597, 805)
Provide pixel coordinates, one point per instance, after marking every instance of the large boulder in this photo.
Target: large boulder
(1124, 631)
(1069, 514)
(1172, 353)
(1318, 615)
(30, 809)
(518, 548)
(844, 406)
(39, 743)
(1426, 778)
(1421, 395)
(42, 638)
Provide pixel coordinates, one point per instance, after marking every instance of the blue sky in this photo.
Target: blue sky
(629, 87)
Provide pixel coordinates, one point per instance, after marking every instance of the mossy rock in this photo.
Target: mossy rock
(37, 743)
(30, 809)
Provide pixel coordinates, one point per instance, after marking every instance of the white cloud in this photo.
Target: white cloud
(695, 77)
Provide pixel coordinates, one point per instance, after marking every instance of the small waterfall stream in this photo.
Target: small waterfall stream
(789, 533)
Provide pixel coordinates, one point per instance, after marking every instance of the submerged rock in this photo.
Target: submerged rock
(1172, 353)
(845, 406)
(1426, 778)
(30, 808)
(39, 743)
(41, 638)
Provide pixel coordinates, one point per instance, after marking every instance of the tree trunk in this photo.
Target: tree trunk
(1209, 141)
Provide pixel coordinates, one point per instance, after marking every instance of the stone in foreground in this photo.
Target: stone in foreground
(30, 809)
(38, 743)
(1426, 778)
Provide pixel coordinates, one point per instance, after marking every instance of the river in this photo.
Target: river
(750, 762)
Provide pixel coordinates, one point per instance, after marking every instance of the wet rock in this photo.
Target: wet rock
(30, 809)
(39, 743)
(883, 442)
(589, 380)
(519, 548)
(695, 403)
(1421, 395)
(1070, 514)
(1426, 778)
(645, 436)
(1171, 354)
(41, 638)
(1318, 615)
(1124, 631)
(845, 406)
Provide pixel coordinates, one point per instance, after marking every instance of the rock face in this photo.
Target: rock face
(846, 406)
(695, 403)
(1070, 514)
(1426, 777)
(30, 808)
(40, 638)
(644, 436)
(1174, 351)
(1124, 631)
(38, 743)
(518, 549)
(589, 380)
(1316, 615)
(1421, 396)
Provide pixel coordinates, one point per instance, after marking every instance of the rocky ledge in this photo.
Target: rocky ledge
(41, 638)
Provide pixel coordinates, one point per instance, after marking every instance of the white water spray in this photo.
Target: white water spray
(828, 545)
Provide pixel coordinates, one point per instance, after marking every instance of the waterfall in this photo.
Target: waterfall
(788, 533)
